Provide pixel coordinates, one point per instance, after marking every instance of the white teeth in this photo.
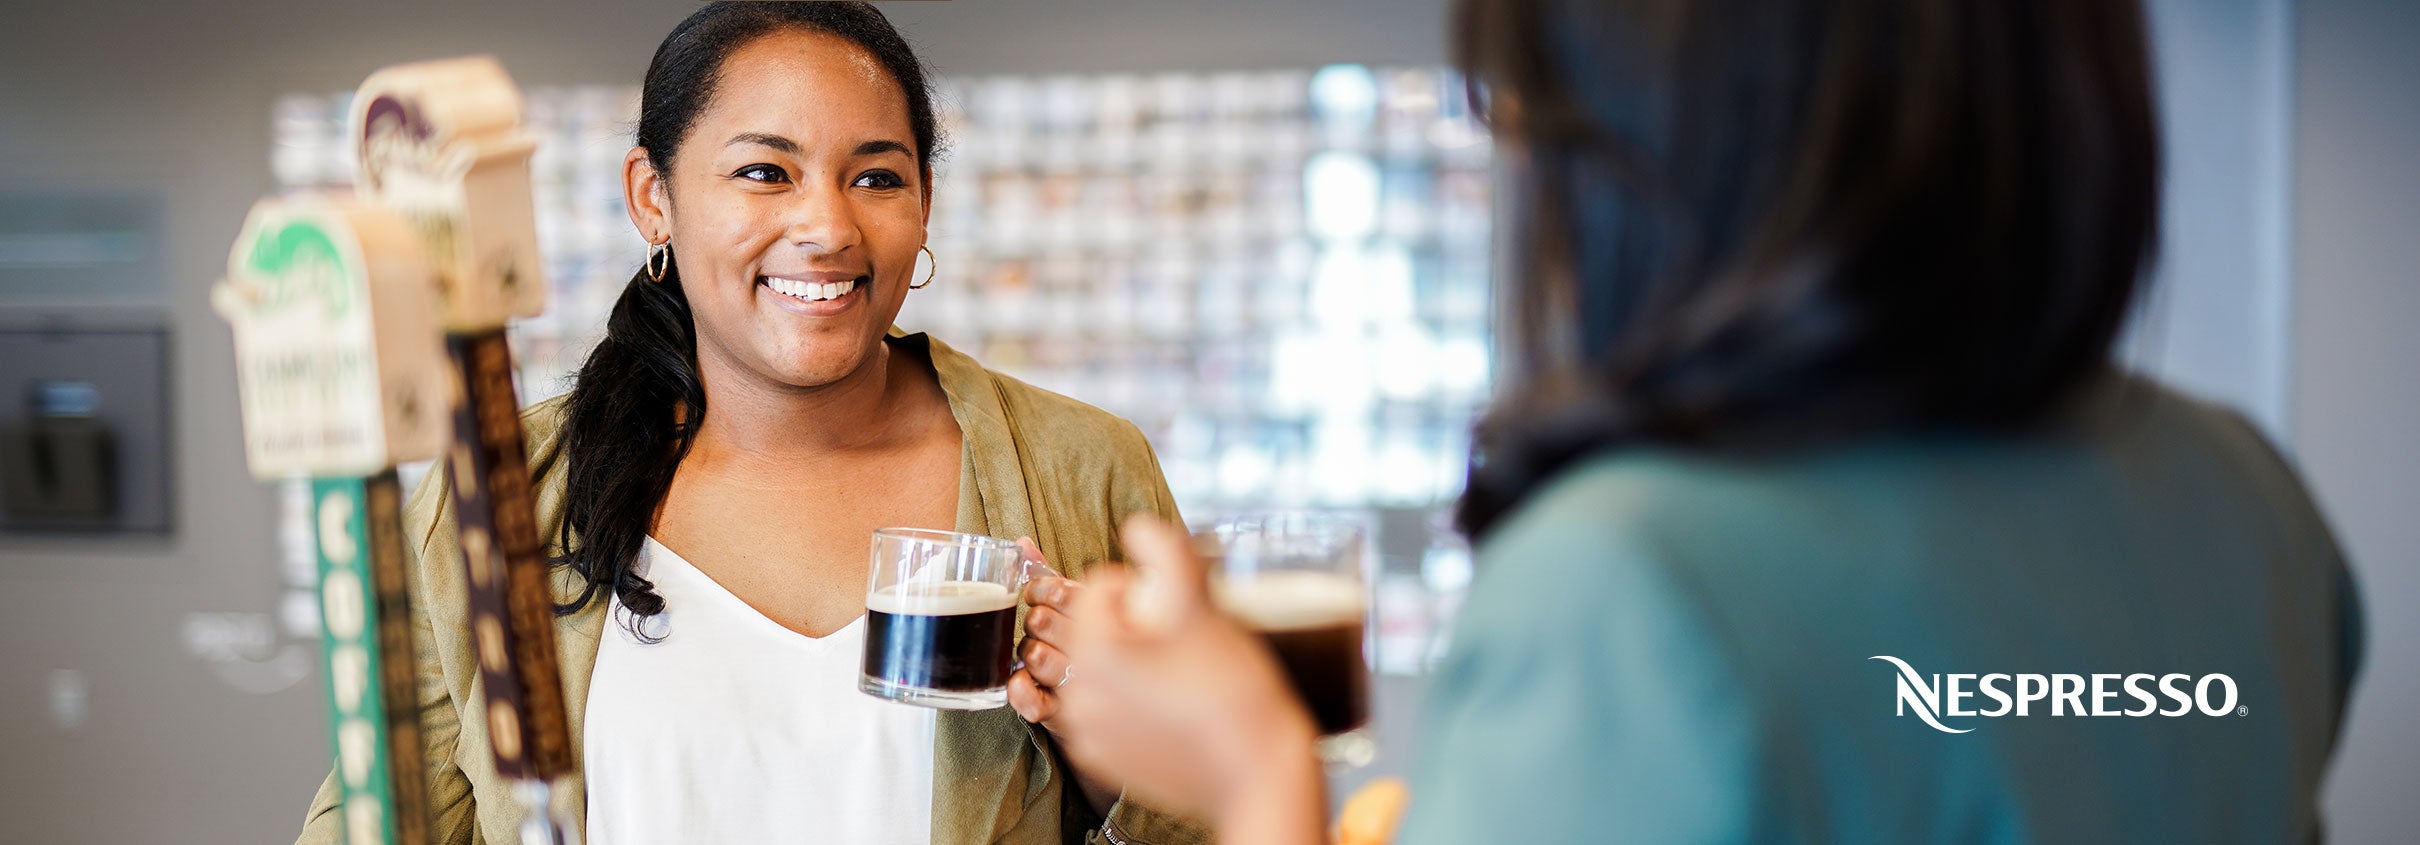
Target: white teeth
(810, 291)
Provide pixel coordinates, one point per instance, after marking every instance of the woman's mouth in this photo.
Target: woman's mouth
(815, 298)
(809, 291)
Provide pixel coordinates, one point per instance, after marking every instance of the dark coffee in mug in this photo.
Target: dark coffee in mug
(951, 636)
(1313, 621)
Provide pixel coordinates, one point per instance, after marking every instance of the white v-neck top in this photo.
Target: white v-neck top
(736, 729)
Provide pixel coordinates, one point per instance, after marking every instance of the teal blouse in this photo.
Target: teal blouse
(1667, 647)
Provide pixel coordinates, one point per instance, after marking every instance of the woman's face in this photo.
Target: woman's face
(795, 208)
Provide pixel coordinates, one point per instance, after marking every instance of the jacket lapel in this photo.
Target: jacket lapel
(1000, 505)
(576, 638)
(989, 770)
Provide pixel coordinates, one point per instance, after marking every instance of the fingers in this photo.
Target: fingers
(1099, 611)
(1174, 584)
(1032, 702)
(1046, 663)
(1048, 588)
(1052, 592)
(1160, 549)
(1045, 621)
(1030, 690)
(1052, 626)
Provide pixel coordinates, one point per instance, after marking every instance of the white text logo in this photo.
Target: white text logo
(1936, 696)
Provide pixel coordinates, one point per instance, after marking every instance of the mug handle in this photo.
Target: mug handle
(1030, 570)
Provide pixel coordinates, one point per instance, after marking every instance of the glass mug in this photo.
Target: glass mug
(1295, 579)
(941, 618)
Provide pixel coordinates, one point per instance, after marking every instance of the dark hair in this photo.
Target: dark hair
(1752, 225)
(636, 406)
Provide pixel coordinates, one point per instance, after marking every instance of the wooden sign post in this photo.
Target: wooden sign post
(441, 143)
(342, 378)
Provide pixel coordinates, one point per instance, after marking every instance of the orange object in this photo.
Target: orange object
(1372, 814)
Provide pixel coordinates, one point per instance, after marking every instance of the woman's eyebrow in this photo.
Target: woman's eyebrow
(789, 147)
(777, 142)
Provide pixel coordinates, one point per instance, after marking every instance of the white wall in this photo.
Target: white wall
(2356, 397)
(2215, 322)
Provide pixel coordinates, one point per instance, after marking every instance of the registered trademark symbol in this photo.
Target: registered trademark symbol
(2243, 711)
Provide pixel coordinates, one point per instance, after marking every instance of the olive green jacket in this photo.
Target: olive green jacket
(1036, 464)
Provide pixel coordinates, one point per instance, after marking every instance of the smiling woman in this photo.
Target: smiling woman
(714, 477)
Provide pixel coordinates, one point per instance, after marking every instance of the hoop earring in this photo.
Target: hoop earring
(928, 274)
(659, 259)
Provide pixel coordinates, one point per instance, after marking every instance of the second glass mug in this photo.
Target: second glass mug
(941, 618)
(1295, 579)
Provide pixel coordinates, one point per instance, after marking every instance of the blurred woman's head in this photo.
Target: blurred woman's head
(1768, 224)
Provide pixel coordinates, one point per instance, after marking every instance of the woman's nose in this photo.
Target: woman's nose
(821, 220)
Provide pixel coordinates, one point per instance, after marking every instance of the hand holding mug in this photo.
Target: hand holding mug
(1178, 700)
(1044, 666)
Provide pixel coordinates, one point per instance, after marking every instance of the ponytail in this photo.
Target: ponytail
(634, 412)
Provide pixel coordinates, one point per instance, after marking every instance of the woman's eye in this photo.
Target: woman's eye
(762, 173)
(881, 179)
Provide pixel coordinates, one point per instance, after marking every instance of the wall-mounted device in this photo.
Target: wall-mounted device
(84, 431)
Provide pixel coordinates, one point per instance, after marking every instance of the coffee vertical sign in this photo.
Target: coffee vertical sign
(441, 143)
(342, 377)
